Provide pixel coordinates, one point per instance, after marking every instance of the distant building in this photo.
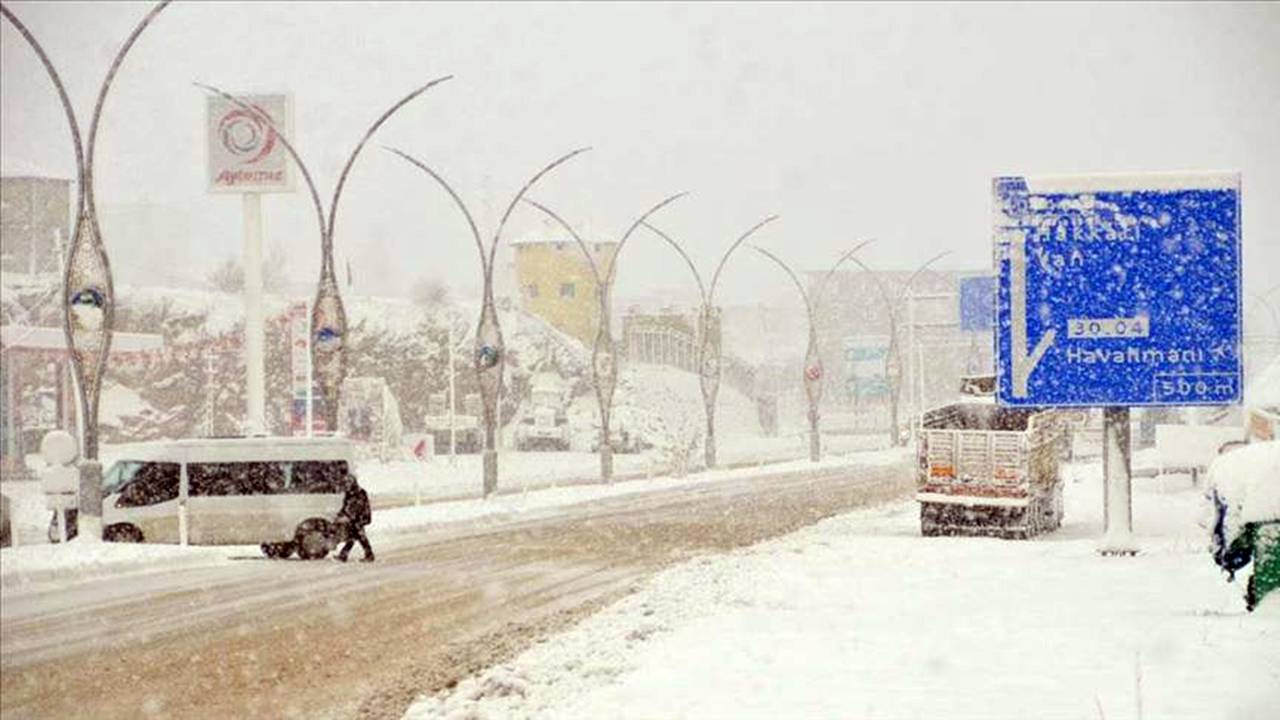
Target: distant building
(663, 337)
(555, 281)
(35, 214)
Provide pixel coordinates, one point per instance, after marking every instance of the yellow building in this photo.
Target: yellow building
(556, 283)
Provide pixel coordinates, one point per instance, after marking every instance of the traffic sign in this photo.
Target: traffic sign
(977, 303)
(1118, 290)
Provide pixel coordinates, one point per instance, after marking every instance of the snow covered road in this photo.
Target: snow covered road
(279, 639)
(860, 617)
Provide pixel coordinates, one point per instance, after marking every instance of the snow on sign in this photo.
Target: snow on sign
(1118, 290)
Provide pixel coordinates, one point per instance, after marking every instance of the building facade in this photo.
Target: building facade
(555, 282)
(35, 213)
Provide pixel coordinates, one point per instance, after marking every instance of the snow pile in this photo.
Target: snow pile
(1263, 390)
(1247, 479)
(79, 560)
(858, 616)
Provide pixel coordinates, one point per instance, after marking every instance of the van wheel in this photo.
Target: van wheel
(122, 533)
(277, 550)
(313, 539)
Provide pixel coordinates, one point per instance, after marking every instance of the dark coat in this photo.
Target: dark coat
(355, 507)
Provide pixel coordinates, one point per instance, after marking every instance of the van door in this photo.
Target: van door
(150, 501)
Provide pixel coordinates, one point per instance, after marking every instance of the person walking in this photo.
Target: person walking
(353, 517)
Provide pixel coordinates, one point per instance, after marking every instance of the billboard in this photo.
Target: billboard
(1118, 290)
(245, 154)
(866, 359)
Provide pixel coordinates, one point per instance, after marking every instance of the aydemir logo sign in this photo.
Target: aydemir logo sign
(245, 152)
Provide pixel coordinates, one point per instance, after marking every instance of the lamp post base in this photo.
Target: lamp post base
(89, 518)
(490, 472)
(606, 463)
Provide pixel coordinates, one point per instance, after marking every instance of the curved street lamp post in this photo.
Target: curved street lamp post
(328, 315)
(490, 355)
(813, 373)
(708, 352)
(88, 308)
(604, 356)
(893, 356)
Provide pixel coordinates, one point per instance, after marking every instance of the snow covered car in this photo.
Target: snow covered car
(1244, 495)
(281, 493)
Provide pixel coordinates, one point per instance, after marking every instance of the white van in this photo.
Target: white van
(280, 492)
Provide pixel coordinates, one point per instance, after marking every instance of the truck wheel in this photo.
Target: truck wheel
(312, 541)
(122, 533)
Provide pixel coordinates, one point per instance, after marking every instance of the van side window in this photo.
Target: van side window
(153, 484)
(314, 477)
(241, 478)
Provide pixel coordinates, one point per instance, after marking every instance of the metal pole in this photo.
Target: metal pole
(254, 340)
(209, 392)
(453, 401)
(311, 382)
(1117, 536)
(910, 379)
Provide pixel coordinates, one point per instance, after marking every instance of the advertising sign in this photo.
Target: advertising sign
(245, 154)
(299, 356)
(1118, 290)
(866, 357)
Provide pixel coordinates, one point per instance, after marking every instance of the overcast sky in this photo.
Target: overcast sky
(850, 121)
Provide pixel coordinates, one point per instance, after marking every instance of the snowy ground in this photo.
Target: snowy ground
(859, 616)
(41, 563)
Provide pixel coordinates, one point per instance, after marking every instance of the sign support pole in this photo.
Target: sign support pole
(311, 380)
(1117, 536)
(453, 401)
(255, 375)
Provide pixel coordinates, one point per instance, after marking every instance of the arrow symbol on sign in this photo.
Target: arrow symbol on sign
(1023, 362)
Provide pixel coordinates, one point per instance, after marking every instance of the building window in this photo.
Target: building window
(531, 290)
(566, 290)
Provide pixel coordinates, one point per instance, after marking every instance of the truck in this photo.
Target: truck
(464, 427)
(986, 470)
(544, 423)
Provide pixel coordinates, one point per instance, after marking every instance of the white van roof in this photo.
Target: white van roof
(242, 449)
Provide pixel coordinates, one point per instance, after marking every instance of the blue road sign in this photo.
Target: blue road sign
(1118, 290)
(977, 303)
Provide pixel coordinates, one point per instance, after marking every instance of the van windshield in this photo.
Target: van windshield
(119, 475)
